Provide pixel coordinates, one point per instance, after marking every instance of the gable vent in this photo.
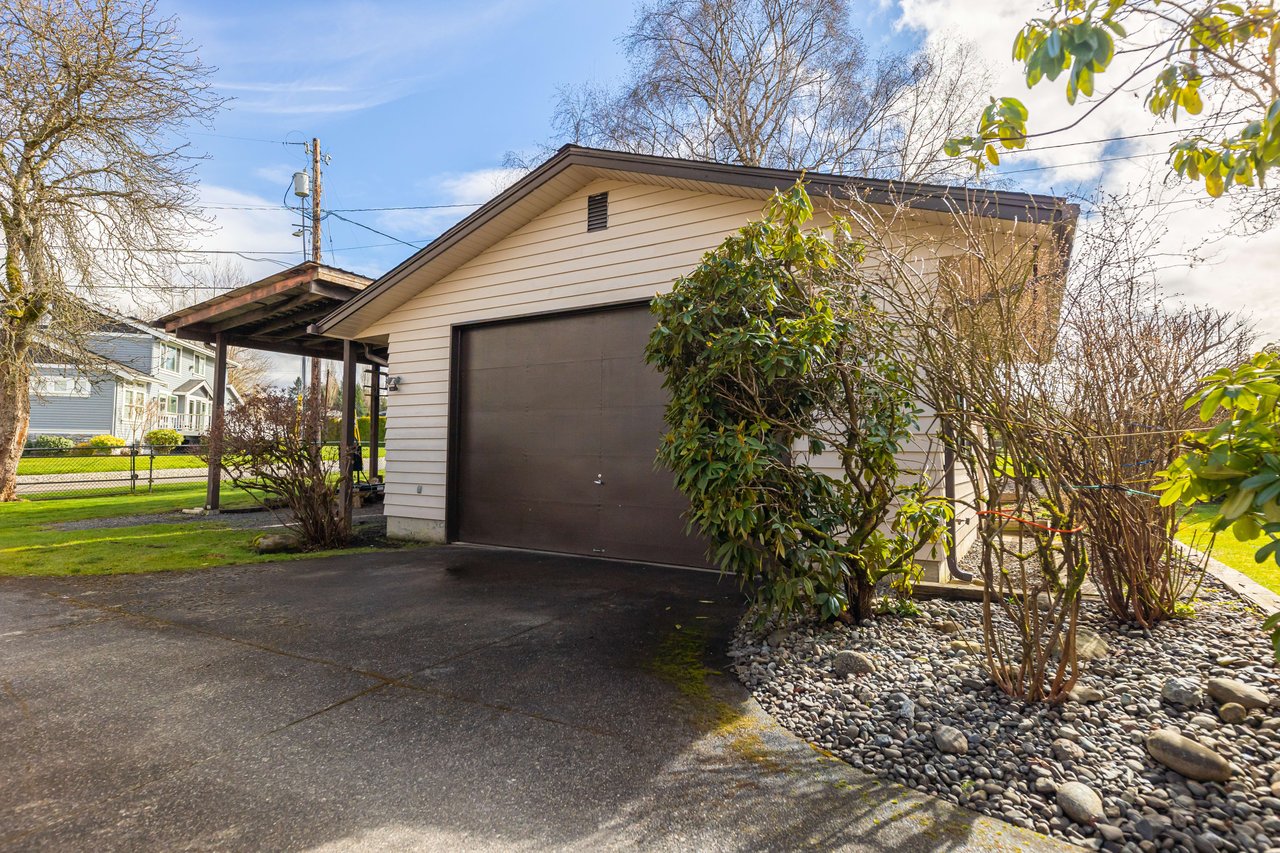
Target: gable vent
(598, 212)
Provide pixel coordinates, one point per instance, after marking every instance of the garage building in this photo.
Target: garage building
(523, 413)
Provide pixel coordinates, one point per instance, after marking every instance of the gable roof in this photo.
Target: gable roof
(88, 363)
(191, 385)
(574, 167)
(272, 313)
(123, 324)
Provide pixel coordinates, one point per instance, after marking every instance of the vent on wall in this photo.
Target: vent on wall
(598, 212)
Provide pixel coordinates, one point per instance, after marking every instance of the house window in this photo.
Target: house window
(197, 364)
(169, 356)
(59, 386)
(171, 405)
(134, 401)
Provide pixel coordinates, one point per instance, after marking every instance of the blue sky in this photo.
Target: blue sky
(416, 102)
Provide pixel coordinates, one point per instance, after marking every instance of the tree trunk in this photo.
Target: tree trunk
(861, 597)
(15, 411)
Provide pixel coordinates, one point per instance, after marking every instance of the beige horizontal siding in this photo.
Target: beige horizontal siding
(655, 235)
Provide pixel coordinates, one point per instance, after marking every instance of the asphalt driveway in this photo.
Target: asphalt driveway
(439, 698)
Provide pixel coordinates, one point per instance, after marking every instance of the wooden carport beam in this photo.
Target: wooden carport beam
(331, 350)
(319, 288)
(300, 317)
(213, 490)
(260, 312)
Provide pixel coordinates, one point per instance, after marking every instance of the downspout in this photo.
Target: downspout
(116, 420)
(949, 486)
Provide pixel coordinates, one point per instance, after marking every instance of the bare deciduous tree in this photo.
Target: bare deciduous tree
(782, 83)
(947, 90)
(248, 370)
(93, 187)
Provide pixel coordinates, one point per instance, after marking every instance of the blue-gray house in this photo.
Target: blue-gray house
(143, 379)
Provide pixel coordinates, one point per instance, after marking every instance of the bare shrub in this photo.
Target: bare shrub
(267, 449)
(980, 301)
(1126, 361)
(1063, 398)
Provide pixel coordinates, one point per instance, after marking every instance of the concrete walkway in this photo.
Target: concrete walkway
(435, 699)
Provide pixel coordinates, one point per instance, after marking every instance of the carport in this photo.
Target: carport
(273, 314)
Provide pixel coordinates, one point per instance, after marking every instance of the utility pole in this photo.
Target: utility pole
(317, 388)
(315, 200)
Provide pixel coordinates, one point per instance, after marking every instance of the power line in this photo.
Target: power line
(247, 251)
(266, 207)
(405, 207)
(374, 230)
(1060, 145)
(243, 138)
(923, 162)
(269, 207)
(1084, 163)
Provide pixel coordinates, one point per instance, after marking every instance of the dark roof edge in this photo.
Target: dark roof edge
(297, 269)
(931, 197)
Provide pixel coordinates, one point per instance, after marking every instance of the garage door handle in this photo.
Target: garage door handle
(599, 480)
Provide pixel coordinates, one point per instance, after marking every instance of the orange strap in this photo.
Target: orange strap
(1027, 521)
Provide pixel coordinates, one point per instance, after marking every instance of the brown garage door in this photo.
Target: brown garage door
(559, 419)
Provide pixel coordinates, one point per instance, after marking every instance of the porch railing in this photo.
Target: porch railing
(184, 423)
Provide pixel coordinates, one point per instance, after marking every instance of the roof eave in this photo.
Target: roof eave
(1028, 207)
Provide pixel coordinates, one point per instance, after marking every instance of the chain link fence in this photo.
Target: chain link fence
(136, 469)
(81, 471)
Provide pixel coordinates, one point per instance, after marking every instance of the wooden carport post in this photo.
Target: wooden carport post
(375, 419)
(346, 451)
(213, 491)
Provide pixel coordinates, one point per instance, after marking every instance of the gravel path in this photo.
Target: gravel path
(916, 707)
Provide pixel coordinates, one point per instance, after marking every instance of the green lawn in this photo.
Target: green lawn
(95, 464)
(1230, 550)
(29, 547)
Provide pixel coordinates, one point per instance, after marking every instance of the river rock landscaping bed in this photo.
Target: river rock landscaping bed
(907, 699)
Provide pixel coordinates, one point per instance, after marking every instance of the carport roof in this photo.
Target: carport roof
(272, 313)
(574, 167)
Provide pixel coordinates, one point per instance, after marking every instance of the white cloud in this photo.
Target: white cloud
(1235, 274)
(479, 186)
(280, 174)
(451, 188)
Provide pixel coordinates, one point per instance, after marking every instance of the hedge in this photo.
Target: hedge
(163, 439)
(52, 442)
